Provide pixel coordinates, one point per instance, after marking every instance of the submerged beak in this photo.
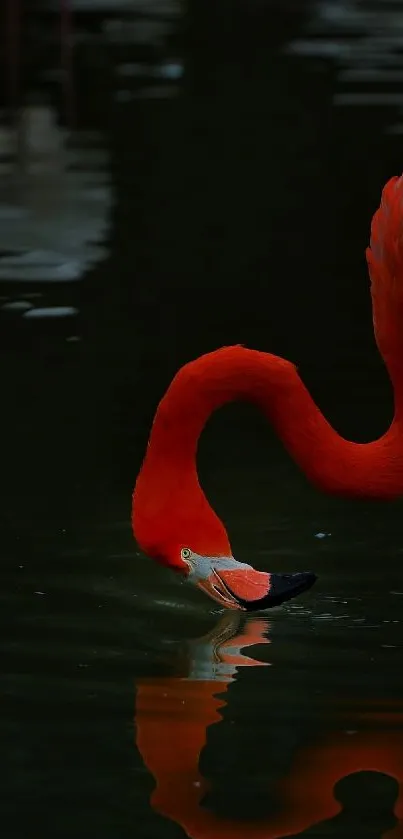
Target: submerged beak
(241, 587)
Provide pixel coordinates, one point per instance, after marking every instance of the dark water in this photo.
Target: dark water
(216, 190)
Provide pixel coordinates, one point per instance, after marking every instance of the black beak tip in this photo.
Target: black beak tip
(307, 577)
(282, 587)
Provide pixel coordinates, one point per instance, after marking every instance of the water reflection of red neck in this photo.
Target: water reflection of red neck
(308, 790)
(172, 717)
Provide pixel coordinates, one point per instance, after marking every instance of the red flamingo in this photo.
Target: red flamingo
(171, 517)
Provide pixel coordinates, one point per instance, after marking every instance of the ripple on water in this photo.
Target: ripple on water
(55, 206)
(363, 65)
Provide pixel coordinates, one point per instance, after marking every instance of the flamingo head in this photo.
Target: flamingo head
(232, 584)
(237, 585)
(190, 539)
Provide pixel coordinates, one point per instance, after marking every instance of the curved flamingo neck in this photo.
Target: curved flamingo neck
(333, 464)
(170, 510)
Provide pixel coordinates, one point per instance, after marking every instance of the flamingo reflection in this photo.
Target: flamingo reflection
(173, 713)
(363, 751)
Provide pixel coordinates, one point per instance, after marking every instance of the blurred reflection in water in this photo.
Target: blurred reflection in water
(348, 782)
(366, 800)
(55, 200)
(362, 39)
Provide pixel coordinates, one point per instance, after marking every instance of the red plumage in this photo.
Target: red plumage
(170, 510)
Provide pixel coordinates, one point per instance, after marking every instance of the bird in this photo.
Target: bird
(172, 520)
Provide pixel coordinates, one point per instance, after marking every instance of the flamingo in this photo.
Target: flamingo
(172, 519)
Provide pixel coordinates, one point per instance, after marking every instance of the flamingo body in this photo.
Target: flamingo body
(172, 519)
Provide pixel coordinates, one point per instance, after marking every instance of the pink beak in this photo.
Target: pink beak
(241, 587)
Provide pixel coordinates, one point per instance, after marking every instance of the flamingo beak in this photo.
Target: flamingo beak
(282, 587)
(241, 587)
(215, 588)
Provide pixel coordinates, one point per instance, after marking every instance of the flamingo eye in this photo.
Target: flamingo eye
(186, 553)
